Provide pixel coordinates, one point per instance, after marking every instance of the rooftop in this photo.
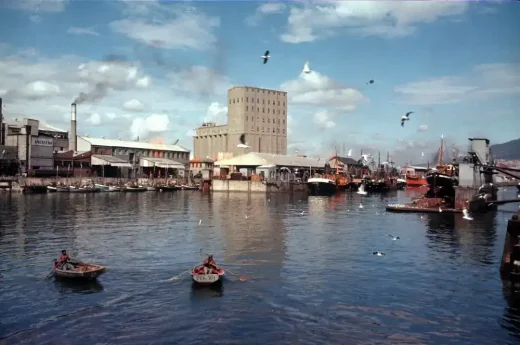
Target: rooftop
(258, 159)
(133, 144)
(255, 88)
(42, 126)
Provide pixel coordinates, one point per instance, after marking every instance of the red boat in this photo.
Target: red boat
(199, 277)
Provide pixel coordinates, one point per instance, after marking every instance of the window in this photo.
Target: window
(278, 130)
(268, 129)
(247, 99)
(274, 130)
(258, 100)
(263, 120)
(283, 130)
(263, 110)
(268, 111)
(257, 110)
(263, 129)
(278, 121)
(284, 113)
(283, 122)
(233, 101)
(258, 129)
(278, 102)
(246, 118)
(242, 99)
(246, 107)
(278, 111)
(284, 104)
(230, 101)
(252, 128)
(268, 120)
(263, 101)
(268, 102)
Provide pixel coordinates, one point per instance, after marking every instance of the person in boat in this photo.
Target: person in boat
(209, 265)
(64, 262)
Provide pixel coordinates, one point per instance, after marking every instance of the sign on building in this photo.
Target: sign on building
(42, 141)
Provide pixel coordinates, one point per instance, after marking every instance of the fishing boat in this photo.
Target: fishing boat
(151, 188)
(170, 188)
(51, 189)
(321, 186)
(199, 277)
(102, 187)
(83, 271)
(88, 189)
(401, 183)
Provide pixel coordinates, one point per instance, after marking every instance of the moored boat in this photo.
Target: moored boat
(321, 186)
(51, 189)
(102, 187)
(134, 189)
(151, 188)
(82, 271)
(199, 277)
(114, 189)
(168, 188)
(183, 187)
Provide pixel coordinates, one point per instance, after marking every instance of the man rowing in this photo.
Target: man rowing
(209, 265)
(64, 262)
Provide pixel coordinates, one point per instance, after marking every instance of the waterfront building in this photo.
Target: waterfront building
(346, 165)
(34, 143)
(260, 114)
(202, 168)
(122, 158)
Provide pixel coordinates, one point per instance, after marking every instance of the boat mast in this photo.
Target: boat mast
(441, 150)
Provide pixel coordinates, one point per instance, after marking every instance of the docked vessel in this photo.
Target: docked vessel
(134, 189)
(321, 186)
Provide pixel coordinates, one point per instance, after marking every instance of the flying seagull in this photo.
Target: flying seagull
(405, 118)
(266, 56)
(243, 144)
(306, 68)
(466, 214)
(370, 82)
(378, 253)
(394, 237)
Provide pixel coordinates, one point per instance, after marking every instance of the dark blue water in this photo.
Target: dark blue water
(312, 278)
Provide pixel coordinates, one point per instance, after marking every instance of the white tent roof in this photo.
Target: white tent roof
(258, 159)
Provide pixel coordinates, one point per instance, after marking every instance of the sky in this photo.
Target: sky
(158, 69)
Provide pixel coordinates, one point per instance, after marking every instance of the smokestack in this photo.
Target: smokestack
(2, 128)
(72, 135)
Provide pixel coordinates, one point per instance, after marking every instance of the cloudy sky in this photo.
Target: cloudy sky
(158, 69)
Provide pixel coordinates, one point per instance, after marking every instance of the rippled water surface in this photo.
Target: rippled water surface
(312, 278)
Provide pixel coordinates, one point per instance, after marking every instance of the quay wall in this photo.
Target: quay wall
(257, 186)
(32, 181)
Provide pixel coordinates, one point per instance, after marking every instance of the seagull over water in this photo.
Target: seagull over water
(405, 118)
(243, 143)
(378, 253)
(395, 238)
(361, 189)
(466, 214)
(306, 68)
(360, 205)
(266, 56)
(200, 222)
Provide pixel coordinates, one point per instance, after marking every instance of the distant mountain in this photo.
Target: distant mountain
(509, 150)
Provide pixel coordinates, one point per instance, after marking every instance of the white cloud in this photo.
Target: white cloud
(265, 9)
(38, 6)
(323, 119)
(42, 88)
(319, 90)
(94, 119)
(82, 31)
(155, 123)
(311, 21)
(422, 128)
(133, 105)
(167, 25)
(487, 81)
(216, 113)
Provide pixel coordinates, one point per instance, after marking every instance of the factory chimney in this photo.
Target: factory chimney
(72, 135)
(2, 127)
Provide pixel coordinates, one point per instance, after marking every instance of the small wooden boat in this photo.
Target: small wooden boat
(135, 189)
(189, 187)
(83, 271)
(200, 278)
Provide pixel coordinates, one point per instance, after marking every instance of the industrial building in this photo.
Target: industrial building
(260, 114)
(121, 158)
(34, 144)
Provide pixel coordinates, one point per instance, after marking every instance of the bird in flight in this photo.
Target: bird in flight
(266, 56)
(243, 143)
(370, 82)
(306, 68)
(405, 118)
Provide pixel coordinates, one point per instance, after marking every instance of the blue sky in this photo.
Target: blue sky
(166, 67)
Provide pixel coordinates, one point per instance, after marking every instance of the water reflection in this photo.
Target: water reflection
(511, 317)
(70, 286)
(200, 291)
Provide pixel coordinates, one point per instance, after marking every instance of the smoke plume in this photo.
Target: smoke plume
(99, 91)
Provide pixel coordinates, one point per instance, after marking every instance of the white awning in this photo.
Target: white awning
(160, 163)
(109, 160)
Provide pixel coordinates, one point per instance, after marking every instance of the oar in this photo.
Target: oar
(177, 276)
(49, 274)
(242, 278)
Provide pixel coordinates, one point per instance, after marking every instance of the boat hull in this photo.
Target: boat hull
(83, 272)
(416, 181)
(168, 188)
(321, 187)
(134, 189)
(207, 279)
(441, 180)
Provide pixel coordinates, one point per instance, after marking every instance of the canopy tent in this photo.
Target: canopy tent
(160, 163)
(110, 160)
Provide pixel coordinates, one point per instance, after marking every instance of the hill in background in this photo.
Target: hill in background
(509, 150)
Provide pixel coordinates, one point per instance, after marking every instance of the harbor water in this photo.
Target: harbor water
(311, 274)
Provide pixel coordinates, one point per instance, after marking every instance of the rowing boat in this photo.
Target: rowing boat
(202, 278)
(83, 271)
